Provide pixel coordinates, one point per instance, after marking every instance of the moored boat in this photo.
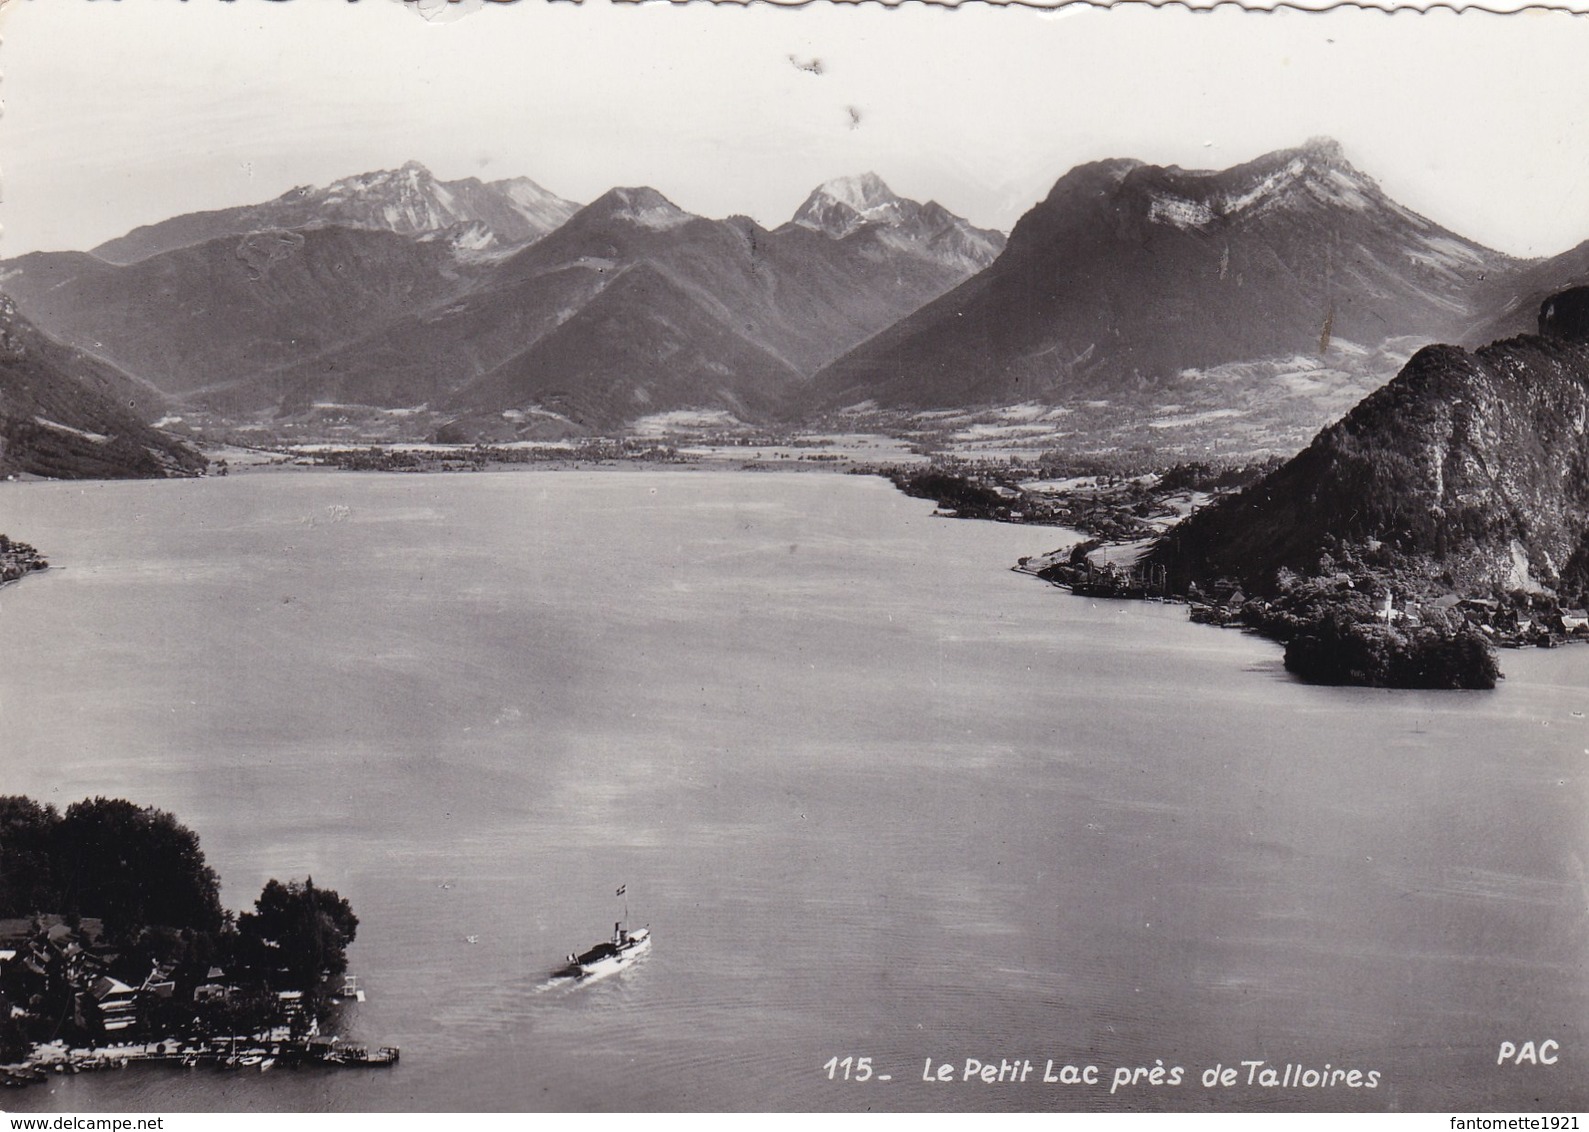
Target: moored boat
(363, 1055)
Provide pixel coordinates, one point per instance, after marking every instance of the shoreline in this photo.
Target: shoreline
(1271, 618)
(1114, 505)
(251, 1051)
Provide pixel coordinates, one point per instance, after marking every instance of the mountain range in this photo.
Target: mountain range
(1128, 274)
(197, 318)
(629, 306)
(1257, 301)
(409, 201)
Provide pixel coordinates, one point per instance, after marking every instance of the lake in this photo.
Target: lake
(876, 795)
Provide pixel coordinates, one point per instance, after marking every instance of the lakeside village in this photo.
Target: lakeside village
(138, 963)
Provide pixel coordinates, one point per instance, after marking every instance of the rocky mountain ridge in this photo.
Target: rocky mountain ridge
(66, 415)
(199, 322)
(1247, 305)
(630, 306)
(1468, 473)
(844, 206)
(1128, 274)
(409, 201)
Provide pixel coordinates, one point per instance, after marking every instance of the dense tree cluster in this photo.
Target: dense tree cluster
(952, 492)
(131, 866)
(27, 856)
(113, 889)
(1336, 633)
(1337, 649)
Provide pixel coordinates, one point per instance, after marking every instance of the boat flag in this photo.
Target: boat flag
(622, 888)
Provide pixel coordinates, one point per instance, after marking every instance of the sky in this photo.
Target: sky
(125, 112)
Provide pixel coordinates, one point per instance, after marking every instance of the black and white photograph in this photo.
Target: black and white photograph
(604, 558)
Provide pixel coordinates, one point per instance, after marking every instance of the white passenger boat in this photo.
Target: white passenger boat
(609, 955)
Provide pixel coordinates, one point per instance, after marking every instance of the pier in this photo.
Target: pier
(240, 1052)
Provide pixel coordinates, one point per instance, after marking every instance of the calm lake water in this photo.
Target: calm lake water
(876, 795)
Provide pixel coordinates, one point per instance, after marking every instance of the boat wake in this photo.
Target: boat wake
(565, 983)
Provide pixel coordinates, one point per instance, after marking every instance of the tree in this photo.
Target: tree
(297, 933)
(27, 872)
(134, 866)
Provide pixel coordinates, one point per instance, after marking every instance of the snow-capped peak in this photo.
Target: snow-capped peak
(847, 205)
(861, 193)
(410, 200)
(1316, 173)
(410, 175)
(840, 206)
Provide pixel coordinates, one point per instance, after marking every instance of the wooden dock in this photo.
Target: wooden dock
(231, 1053)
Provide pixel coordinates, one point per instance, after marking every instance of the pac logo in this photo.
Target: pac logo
(1530, 1053)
